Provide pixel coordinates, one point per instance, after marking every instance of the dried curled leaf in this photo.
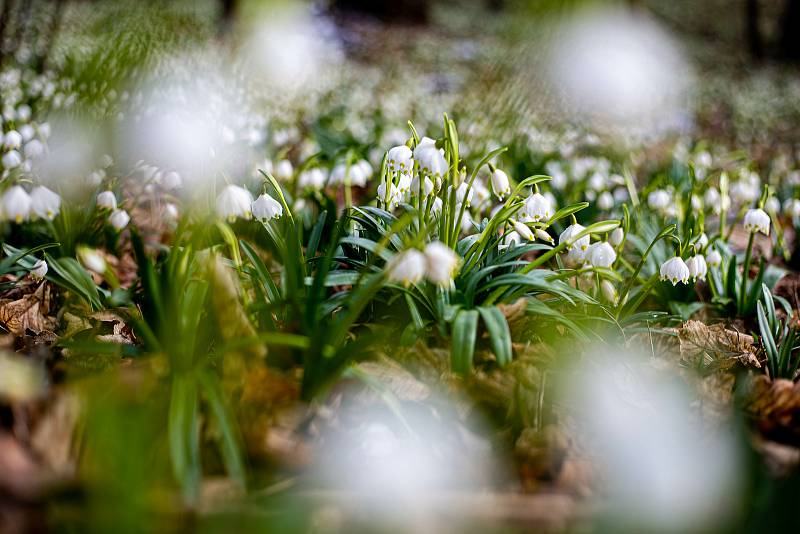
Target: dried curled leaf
(28, 314)
(715, 347)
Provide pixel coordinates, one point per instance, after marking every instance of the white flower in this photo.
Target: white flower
(616, 236)
(12, 160)
(601, 255)
(107, 200)
(442, 263)
(283, 170)
(524, 231)
(16, 204)
(462, 192)
(172, 180)
(92, 259)
(675, 270)
(659, 199)
(394, 198)
(697, 267)
(714, 258)
(33, 149)
(702, 241)
(400, 159)
(12, 140)
(27, 131)
(538, 208)
(466, 220)
(312, 178)
(234, 201)
(791, 207)
(427, 185)
(265, 208)
(757, 220)
(500, 184)
(773, 205)
(119, 219)
(45, 203)
(609, 291)
(436, 207)
(568, 237)
(407, 267)
(431, 160)
(511, 239)
(697, 204)
(39, 269)
(171, 210)
(605, 201)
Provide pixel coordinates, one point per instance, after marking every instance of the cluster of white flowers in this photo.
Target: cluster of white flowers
(236, 202)
(581, 251)
(17, 205)
(438, 263)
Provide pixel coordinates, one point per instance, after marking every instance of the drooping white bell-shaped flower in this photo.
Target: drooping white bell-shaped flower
(714, 258)
(436, 206)
(39, 269)
(605, 201)
(265, 208)
(92, 259)
(442, 263)
(16, 204)
(119, 219)
(400, 159)
(702, 241)
(463, 193)
(33, 149)
(500, 184)
(394, 197)
(12, 140)
(312, 178)
(791, 207)
(233, 202)
(568, 237)
(675, 270)
(543, 235)
(772, 205)
(431, 159)
(11, 160)
(427, 185)
(538, 208)
(524, 231)
(757, 220)
(601, 254)
(659, 199)
(172, 180)
(45, 203)
(107, 200)
(407, 267)
(697, 267)
(283, 170)
(511, 239)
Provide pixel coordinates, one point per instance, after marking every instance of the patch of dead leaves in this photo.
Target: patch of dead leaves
(716, 347)
(28, 314)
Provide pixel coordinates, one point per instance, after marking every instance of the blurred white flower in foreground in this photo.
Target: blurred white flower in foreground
(663, 470)
(621, 69)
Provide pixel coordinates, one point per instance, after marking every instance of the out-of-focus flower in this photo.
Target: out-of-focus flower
(605, 201)
(107, 200)
(462, 194)
(714, 258)
(675, 270)
(312, 178)
(283, 170)
(442, 263)
(609, 291)
(45, 203)
(12, 140)
(659, 199)
(233, 202)
(12, 159)
(16, 204)
(616, 237)
(91, 259)
(407, 267)
(119, 219)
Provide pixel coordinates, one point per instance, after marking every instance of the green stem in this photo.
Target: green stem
(745, 272)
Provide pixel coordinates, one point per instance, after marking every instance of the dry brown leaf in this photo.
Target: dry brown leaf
(716, 347)
(52, 438)
(27, 313)
(775, 405)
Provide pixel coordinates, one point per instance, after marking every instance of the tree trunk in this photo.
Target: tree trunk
(790, 32)
(752, 30)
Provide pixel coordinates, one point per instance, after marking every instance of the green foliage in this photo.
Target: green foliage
(779, 337)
